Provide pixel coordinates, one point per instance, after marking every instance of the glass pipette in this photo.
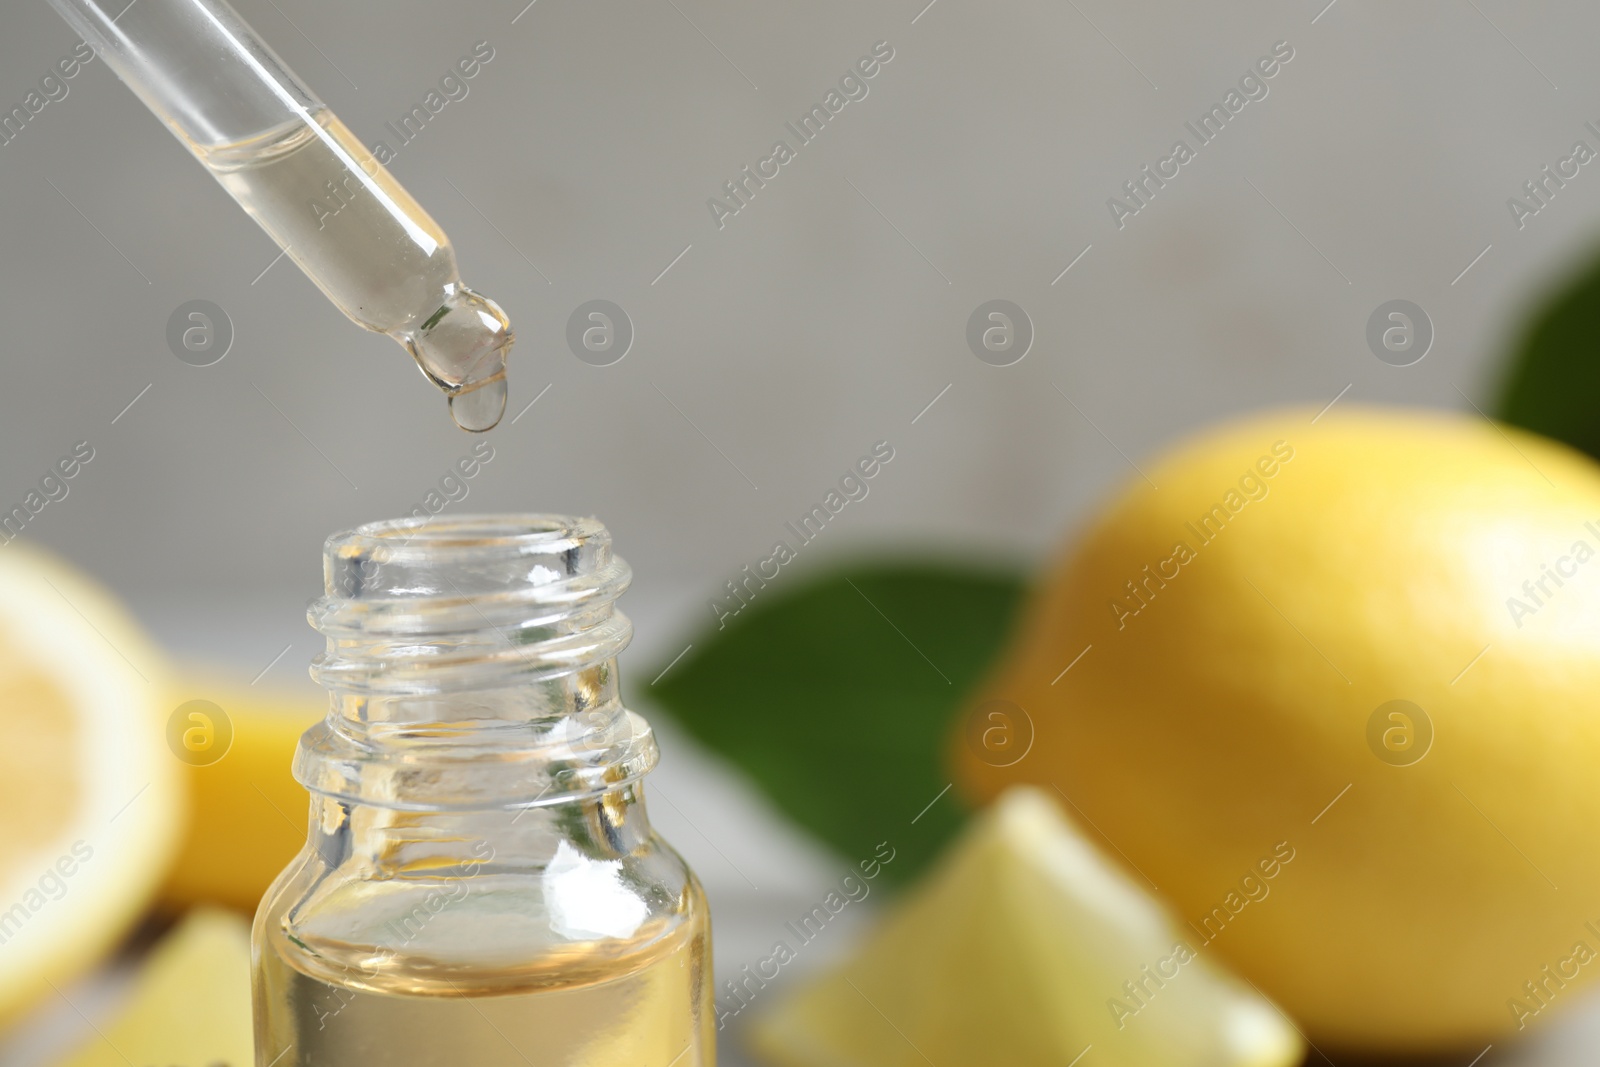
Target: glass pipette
(300, 173)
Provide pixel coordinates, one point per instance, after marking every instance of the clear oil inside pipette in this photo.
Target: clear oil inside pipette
(375, 252)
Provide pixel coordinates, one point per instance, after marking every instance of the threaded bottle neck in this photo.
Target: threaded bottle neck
(471, 663)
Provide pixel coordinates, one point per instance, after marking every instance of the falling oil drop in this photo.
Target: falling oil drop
(481, 406)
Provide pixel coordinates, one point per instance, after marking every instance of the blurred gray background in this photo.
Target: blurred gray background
(772, 353)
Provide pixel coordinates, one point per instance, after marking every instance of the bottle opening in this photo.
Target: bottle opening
(483, 648)
(424, 564)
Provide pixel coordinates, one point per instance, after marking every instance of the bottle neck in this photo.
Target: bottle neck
(400, 843)
(471, 667)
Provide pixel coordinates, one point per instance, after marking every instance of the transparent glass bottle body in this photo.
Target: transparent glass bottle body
(480, 884)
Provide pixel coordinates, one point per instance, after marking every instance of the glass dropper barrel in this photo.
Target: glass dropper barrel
(310, 183)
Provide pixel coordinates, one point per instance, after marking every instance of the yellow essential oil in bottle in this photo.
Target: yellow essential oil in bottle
(480, 885)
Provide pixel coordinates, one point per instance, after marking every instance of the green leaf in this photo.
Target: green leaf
(1554, 383)
(835, 696)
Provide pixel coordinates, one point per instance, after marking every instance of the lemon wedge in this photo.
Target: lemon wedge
(1024, 946)
(190, 1003)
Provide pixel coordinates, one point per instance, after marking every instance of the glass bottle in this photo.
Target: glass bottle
(480, 885)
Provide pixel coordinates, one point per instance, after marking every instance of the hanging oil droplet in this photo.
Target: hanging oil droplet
(481, 406)
(462, 346)
(372, 249)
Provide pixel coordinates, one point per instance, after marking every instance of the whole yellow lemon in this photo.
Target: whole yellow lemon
(1332, 685)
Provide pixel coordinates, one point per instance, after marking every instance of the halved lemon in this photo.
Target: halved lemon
(93, 795)
(1025, 946)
